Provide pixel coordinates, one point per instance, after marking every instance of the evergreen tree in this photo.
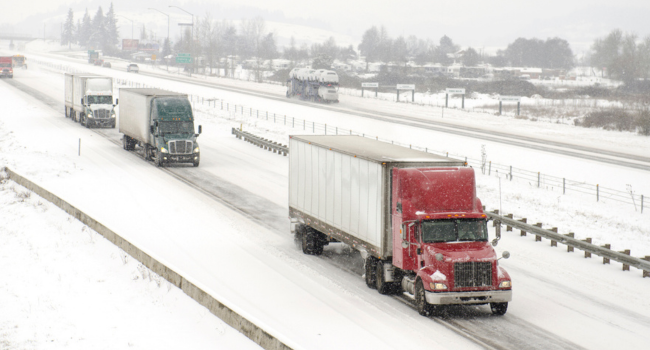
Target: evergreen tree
(97, 38)
(167, 50)
(86, 30)
(68, 30)
(112, 34)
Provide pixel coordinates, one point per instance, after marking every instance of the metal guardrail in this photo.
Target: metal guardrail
(260, 142)
(567, 239)
(607, 254)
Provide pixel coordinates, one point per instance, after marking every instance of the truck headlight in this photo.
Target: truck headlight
(437, 286)
(505, 284)
(90, 114)
(163, 150)
(113, 115)
(196, 149)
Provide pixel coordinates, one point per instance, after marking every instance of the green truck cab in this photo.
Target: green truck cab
(161, 123)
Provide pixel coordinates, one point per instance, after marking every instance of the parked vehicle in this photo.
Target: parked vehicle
(6, 67)
(413, 216)
(313, 85)
(133, 68)
(161, 123)
(89, 99)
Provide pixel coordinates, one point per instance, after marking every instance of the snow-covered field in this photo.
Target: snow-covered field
(577, 301)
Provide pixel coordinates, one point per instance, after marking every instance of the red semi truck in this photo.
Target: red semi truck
(414, 217)
(6, 67)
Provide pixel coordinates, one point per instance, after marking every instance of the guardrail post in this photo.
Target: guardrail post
(538, 238)
(523, 233)
(494, 223)
(554, 243)
(626, 267)
(646, 273)
(569, 248)
(641, 204)
(508, 227)
(588, 240)
(490, 168)
(606, 246)
(538, 179)
(563, 186)
(597, 193)
(511, 173)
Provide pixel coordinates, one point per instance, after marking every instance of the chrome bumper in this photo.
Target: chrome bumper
(480, 297)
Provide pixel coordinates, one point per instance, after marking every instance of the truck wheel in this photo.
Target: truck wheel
(499, 309)
(423, 307)
(82, 117)
(66, 112)
(127, 143)
(113, 125)
(159, 160)
(371, 270)
(383, 287)
(311, 242)
(196, 164)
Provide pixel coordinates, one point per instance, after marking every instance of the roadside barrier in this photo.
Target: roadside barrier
(232, 318)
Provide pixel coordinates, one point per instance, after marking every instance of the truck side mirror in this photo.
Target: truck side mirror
(117, 101)
(151, 129)
(82, 100)
(200, 129)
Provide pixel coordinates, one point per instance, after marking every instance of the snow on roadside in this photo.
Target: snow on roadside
(64, 285)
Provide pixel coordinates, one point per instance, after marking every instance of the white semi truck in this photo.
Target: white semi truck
(89, 99)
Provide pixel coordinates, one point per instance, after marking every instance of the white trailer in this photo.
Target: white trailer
(89, 99)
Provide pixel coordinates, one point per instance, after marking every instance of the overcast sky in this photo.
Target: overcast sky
(477, 23)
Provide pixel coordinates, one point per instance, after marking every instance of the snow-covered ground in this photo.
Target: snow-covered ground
(577, 301)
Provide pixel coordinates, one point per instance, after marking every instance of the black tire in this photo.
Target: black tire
(159, 160)
(371, 272)
(127, 143)
(383, 287)
(311, 242)
(73, 115)
(195, 164)
(66, 112)
(499, 309)
(421, 304)
(82, 117)
(113, 125)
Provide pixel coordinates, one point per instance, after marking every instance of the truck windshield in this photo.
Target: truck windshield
(435, 231)
(5, 64)
(100, 100)
(176, 127)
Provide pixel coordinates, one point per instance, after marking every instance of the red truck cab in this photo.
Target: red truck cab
(440, 240)
(6, 67)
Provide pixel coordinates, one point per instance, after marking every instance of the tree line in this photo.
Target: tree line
(622, 55)
(98, 32)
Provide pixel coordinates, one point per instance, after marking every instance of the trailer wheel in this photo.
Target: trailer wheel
(383, 287)
(499, 309)
(423, 307)
(371, 272)
(311, 243)
(82, 118)
(66, 111)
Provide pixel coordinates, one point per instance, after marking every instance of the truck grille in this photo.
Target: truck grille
(102, 113)
(472, 274)
(180, 147)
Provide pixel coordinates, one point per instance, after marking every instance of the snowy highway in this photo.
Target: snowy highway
(234, 240)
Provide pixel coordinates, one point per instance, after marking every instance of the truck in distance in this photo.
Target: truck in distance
(6, 67)
(20, 61)
(313, 85)
(414, 217)
(161, 123)
(89, 99)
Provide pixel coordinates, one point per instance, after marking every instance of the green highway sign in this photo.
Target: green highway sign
(184, 58)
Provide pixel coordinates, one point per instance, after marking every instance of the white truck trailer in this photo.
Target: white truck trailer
(161, 123)
(89, 99)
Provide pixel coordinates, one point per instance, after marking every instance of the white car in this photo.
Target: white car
(132, 68)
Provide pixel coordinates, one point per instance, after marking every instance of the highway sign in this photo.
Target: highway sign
(183, 58)
(405, 87)
(510, 98)
(370, 85)
(456, 91)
